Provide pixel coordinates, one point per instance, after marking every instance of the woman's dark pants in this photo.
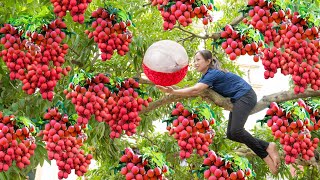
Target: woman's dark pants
(237, 119)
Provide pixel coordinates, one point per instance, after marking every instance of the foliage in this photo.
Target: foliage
(84, 54)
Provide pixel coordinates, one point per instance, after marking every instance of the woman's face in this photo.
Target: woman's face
(200, 63)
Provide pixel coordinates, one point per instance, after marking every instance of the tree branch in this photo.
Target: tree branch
(238, 19)
(191, 33)
(283, 96)
(146, 4)
(213, 97)
(152, 142)
(213, 36)
(184, 39)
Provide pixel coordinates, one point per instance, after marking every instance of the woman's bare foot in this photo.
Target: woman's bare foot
(271, 165)
(274, 154)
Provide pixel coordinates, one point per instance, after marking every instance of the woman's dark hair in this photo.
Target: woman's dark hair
(207, 55)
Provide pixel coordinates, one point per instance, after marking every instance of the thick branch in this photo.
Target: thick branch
(283, 96)
(165, 100)
(213, 97)
(217, 99)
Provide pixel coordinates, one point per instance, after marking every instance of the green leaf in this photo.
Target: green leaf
(21, 102)
(14, 107)
(7, 112)
(102, 129)
(2, 176)
(169, 120)
(73, 117)
(24, 120)
(156, 159)
(264, 120)
(227, 157)
(306, 113)
(206, 111)
(123, 16)
(205, 1)
(241, 162)
(261, 36)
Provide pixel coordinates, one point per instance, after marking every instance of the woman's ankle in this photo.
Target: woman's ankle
(270, 163)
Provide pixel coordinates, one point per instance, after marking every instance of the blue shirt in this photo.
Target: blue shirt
(226, 84)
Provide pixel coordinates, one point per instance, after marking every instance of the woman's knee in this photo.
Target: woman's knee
(236, 134)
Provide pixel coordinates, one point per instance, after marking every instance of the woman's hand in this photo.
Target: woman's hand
(166, 89)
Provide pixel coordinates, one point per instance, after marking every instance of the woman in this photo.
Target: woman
(242, 97)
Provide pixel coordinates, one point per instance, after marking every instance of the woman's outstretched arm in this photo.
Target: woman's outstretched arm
(189, 91)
